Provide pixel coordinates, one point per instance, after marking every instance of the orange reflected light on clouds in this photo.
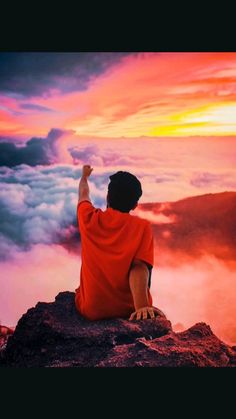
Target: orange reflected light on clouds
(148, 94)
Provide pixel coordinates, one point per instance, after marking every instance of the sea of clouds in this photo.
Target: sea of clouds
(38, 198)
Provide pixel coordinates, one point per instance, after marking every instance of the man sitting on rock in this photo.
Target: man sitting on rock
(117, 253)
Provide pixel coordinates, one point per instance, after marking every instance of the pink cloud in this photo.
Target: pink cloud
(155, 218)
(37, 275)
(132, 96)
(201, 290)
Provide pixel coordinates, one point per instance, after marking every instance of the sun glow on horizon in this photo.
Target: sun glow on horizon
(208, 120)
(146, 94)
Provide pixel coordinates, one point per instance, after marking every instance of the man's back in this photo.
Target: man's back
(110, 241)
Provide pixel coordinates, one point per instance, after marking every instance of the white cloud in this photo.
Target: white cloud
(203, 290)
(155, 218)
(36, 275)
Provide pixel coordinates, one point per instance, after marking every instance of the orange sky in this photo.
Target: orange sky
(147, 94)
(162, 95)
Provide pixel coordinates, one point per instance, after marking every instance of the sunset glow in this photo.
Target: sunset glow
(168, 118)
(146, 94)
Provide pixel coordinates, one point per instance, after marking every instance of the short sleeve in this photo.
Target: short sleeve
(145, 250)
(85, 210)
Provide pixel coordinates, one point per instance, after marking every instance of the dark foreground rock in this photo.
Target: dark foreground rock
(5, 333)
(55, 335)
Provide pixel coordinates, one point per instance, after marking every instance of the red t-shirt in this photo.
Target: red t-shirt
(110, 240)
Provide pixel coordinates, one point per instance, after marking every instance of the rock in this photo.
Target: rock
(55, 335)
(196, 347)
(178, 327)
(5, 333)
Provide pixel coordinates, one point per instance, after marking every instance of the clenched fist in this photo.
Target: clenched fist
(86, 171)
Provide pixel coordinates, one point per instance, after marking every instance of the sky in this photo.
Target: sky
(168, 118)
(118, 94)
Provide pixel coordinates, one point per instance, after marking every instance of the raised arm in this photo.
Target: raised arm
(83, 185)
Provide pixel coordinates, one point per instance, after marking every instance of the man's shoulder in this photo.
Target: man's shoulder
(85, 207)
(86, 203)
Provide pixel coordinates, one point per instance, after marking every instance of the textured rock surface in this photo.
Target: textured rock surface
(55, 335)
(5, 333)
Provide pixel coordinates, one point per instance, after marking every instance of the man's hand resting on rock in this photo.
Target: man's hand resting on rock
(144, 312)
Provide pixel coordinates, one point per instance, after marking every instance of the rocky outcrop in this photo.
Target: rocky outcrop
(55, 335)
(5, 333)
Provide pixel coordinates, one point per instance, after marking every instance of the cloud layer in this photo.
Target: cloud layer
(39, 240)
(203, 290)
(35, 151)
(118, 94)
(36, 275)
(37, 205)
(37, 73)
(39, 180)
(105, 107)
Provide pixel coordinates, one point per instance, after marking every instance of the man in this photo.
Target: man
(117, 251)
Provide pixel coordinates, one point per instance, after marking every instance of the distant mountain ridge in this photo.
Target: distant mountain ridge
(204, 224)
